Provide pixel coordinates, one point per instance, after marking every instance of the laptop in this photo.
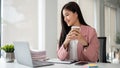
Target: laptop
(23, 55)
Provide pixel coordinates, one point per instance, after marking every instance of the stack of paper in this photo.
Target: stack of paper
(38, 55)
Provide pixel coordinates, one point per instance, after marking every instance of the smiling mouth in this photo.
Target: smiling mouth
(68, 22)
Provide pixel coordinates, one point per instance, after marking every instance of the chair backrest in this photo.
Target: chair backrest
(102, 51)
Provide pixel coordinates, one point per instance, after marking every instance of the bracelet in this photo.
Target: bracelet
(65, 46)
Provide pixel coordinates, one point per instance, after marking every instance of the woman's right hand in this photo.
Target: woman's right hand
(66, 42)
(70, 36)
(67, 39)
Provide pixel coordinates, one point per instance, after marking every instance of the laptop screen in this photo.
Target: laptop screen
(22, 53)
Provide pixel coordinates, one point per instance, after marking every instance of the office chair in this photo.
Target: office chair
(102, 50)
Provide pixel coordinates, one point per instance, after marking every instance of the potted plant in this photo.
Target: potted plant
(9, 52)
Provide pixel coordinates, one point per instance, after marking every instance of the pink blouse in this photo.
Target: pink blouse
(84, 54)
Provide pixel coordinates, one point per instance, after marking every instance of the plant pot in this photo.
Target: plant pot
(9, 57)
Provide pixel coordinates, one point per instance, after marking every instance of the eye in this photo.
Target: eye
(67, 14)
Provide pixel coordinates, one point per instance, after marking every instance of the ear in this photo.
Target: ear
(76, 14)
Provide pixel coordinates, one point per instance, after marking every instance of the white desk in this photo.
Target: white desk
(3, 64)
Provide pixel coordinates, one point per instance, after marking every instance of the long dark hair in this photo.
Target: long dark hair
(71, 6)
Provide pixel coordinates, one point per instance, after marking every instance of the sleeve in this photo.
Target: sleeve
(91, 52)
(62, 53)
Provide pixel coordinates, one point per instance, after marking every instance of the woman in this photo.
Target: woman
(87, 46)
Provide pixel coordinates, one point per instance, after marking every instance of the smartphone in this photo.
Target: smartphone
(81, 63)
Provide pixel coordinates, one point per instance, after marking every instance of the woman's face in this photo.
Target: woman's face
(69, 17)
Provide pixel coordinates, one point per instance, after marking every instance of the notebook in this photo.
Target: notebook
(56, 60)
(23, 55)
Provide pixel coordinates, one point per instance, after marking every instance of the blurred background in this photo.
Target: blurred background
(38, 22)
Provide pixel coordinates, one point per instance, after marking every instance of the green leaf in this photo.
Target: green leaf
(8, 48)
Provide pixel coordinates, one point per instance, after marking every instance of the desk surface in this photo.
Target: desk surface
(3, 64)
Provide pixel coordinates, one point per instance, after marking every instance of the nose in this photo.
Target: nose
(65, 19)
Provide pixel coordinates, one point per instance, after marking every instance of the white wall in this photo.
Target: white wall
(87, 8)
(51, 28)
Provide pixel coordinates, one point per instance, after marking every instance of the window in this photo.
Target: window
(118, 27)
(22, 21)
(0, 27)
(110, 25)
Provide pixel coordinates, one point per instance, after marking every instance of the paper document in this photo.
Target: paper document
(55, 60)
